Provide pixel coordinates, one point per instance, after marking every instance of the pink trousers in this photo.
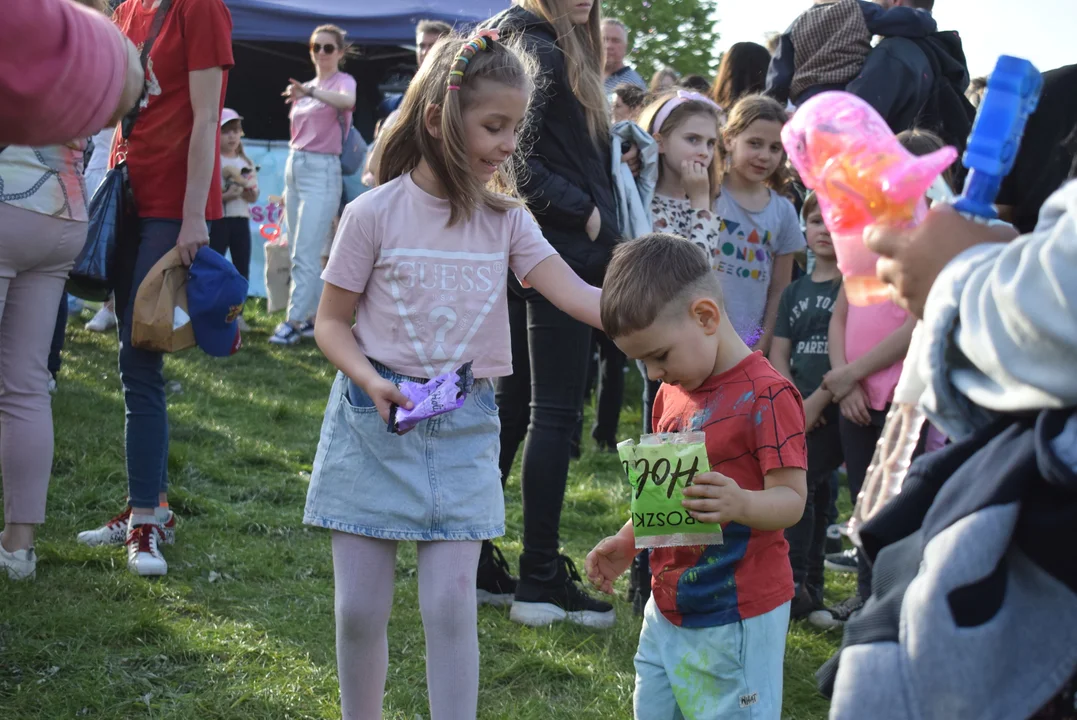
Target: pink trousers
(36, 254)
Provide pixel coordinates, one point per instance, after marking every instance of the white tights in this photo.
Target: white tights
(363, 570)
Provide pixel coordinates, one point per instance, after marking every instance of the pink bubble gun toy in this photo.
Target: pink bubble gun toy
(862, 176)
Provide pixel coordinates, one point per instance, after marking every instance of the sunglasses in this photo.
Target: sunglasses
(329, 48)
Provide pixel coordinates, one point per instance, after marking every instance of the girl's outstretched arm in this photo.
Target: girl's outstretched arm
(560, 285)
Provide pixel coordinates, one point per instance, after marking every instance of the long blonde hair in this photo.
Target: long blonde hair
(677, 117)
(408, 141)
(583, 49)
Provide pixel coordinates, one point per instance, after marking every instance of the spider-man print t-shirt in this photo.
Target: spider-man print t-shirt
(753, 419)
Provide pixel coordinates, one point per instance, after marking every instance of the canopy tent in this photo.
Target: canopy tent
(367, 22)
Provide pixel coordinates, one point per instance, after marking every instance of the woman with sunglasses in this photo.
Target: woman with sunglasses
(321, 110)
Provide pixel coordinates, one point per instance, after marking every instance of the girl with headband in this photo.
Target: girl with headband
(414, 288)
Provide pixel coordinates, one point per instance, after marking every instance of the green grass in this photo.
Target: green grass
(242, 626)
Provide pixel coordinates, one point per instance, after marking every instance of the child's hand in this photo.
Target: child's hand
(854, 407)
(697, 184)
(914, 257)
(609, 560)
(720, 499)
(840, 381)
(385, 394)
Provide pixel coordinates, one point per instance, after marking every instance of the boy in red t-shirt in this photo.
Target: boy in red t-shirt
(718, 614)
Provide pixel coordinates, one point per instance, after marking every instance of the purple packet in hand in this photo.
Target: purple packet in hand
(443, 394)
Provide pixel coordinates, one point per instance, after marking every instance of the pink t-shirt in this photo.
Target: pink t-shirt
(866, 327)
(432, 296)
(316, 125)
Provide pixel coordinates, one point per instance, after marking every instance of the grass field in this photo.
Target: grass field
(242, 626)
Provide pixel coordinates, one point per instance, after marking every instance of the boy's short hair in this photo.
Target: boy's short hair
(631, 95)
(437, 27)
(649, 273)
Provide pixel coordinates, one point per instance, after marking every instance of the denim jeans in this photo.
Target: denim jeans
(312, 191)
(807, 539)
(542, 400)
(142, 373)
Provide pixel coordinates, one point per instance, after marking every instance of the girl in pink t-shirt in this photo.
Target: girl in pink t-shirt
(415, 286)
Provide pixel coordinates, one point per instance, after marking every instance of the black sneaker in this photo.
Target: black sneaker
(550, 595)
(493, 584)
(837, 616)
(833, 540)
(803, 604)
(841, 562)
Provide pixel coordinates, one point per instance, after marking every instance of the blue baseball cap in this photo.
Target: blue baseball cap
(215, 296)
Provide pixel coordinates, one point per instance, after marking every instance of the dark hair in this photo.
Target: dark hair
(408, 141)
(697, 83)
(631, 95)
(924, 142)
(441, 29)
(743, 71)
(646, 275)
(928, 5)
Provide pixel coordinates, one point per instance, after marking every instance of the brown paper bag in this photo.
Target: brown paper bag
(161, 322)
(278, 276)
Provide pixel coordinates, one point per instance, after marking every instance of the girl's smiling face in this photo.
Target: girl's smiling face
(492, 122)
(757, 152)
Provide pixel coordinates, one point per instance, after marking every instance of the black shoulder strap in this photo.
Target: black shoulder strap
(128, 123)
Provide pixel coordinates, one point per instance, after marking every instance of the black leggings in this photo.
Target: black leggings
(233, 234)
(542, 400)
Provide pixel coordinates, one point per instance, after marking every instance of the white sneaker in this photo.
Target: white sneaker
(103, 321)
(20, 564)
(243, 326)
(143, 552)
(114, 532)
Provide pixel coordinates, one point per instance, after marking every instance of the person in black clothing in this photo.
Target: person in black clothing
(1044, 158)
(568, 186)
(919, 83)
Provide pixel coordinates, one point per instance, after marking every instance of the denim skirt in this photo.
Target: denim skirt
(440, 481)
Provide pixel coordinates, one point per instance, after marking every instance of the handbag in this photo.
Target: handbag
(112, 209)
(353, 148)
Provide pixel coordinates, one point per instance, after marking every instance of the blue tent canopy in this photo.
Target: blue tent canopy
(368, 22)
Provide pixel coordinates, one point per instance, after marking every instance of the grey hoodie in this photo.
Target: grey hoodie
(1002, 325)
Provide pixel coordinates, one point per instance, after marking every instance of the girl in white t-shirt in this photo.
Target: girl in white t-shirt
(239, 177)
(760, 231)
(415, 287)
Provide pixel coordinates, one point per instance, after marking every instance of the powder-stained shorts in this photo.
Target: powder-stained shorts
(731, 672)
(438, 482)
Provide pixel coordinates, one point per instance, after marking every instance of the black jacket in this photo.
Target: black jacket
(566, 176)
(899, 78)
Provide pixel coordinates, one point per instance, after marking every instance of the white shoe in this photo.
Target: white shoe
(20, 564)
(103, 321)
(143, 550)
(243, 326)
(114, 532)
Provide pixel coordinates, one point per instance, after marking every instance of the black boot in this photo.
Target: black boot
(547, 593)
(493, 583)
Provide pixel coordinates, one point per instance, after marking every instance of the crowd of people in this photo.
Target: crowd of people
(494, 230)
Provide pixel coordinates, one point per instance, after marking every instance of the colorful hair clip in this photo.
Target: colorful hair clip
(480, 42)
